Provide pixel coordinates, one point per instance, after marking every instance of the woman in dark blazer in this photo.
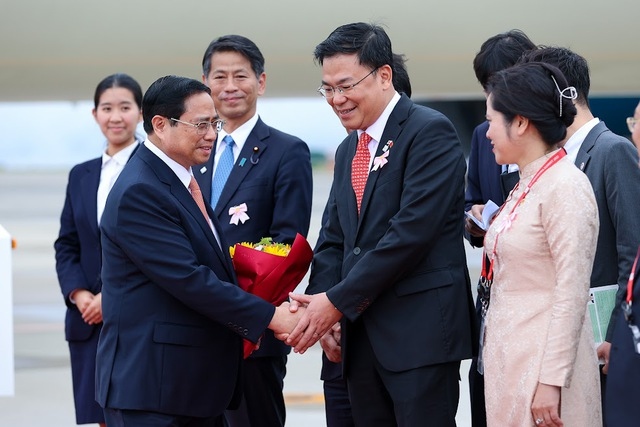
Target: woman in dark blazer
(117, 100)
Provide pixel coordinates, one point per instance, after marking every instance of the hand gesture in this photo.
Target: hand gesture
(545, 408)
(319, 316)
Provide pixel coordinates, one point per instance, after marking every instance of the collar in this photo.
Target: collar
(376, 129)
(184, 175)
(239, 135)
(121, 157)
(574, 143)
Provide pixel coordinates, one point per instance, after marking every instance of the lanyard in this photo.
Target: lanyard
(632, 276)
(487, 272)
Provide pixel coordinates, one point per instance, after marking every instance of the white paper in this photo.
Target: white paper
(490, 209)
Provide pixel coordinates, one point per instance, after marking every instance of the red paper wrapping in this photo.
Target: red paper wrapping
(271, 277)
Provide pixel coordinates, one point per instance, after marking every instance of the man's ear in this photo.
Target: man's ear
(159, 124)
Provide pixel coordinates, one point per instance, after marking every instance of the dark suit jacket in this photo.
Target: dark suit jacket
(610, 162)
(401, 264)
(78, 255)
(623, 380)
(485, 180)
(277, 191)
(173, 316)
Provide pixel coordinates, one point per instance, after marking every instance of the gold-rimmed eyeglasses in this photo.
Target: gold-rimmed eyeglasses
(328, 92)
(203, 127)
(631, 122)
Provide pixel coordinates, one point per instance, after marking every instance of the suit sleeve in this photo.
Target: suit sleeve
(622, 182)
(292, 194)
(324, 275)
(473, 193)
(431, 200)
(166, 245)
(67, 247)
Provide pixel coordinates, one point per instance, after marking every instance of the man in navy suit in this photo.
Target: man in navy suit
(623, 384)
(267, 194)
(487, 180)
(392, 261)
(170, 350)
(610, 162)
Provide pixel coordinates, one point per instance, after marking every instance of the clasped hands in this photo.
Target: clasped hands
(309, 317)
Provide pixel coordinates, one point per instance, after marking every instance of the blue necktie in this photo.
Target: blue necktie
(225, 164)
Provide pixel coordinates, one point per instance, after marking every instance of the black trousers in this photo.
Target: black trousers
(422, 397)
(262, 403)
(129, 418)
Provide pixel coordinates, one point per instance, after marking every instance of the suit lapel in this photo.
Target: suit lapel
(389, 137)
(249, 158)
(180, 192)
(89, 188)
(583, 156)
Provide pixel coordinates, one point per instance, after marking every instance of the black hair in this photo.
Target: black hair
(234, 43)
(122, 80)
(573, 66)
(166, 97)
(538, 92)
(369, 42)
(499, 52)
(401, 81)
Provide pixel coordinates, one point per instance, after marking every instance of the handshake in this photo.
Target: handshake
(303, 321)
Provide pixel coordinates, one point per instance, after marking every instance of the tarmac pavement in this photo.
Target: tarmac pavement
(30, 206)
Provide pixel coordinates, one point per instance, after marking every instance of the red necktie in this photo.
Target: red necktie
(360, 167)
(197, 196)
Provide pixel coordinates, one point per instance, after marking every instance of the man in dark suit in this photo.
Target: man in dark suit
(623, 384)
(487, 180)
(336, 394)
(392, 261)
(610, 162)
(270, 180)
(171, 345)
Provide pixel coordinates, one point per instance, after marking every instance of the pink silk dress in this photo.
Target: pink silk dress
(537, 326)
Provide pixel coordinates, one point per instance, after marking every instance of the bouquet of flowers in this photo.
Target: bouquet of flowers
(270, 270)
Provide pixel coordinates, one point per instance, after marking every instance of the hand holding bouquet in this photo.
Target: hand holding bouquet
(270, 270)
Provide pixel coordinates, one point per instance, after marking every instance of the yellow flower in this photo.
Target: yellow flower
(266, 244)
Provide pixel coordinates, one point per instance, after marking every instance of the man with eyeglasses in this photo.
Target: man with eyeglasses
(266, 173)
(392, 261)
(171, 346)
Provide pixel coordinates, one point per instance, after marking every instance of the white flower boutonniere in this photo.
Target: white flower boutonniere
(238, 213)
(381, 160)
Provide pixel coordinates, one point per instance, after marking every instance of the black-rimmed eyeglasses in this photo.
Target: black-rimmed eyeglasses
(328, 92)
(203, 127)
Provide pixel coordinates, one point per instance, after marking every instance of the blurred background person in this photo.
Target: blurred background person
(267, 173)
(623, 383)
(539, 363)
(336, 393)
(117, 110)
(610, 162)
(487, 180)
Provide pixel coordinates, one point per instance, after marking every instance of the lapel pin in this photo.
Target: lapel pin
(203, 169)
(242, 160)
(255, 151)
(582, 166)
